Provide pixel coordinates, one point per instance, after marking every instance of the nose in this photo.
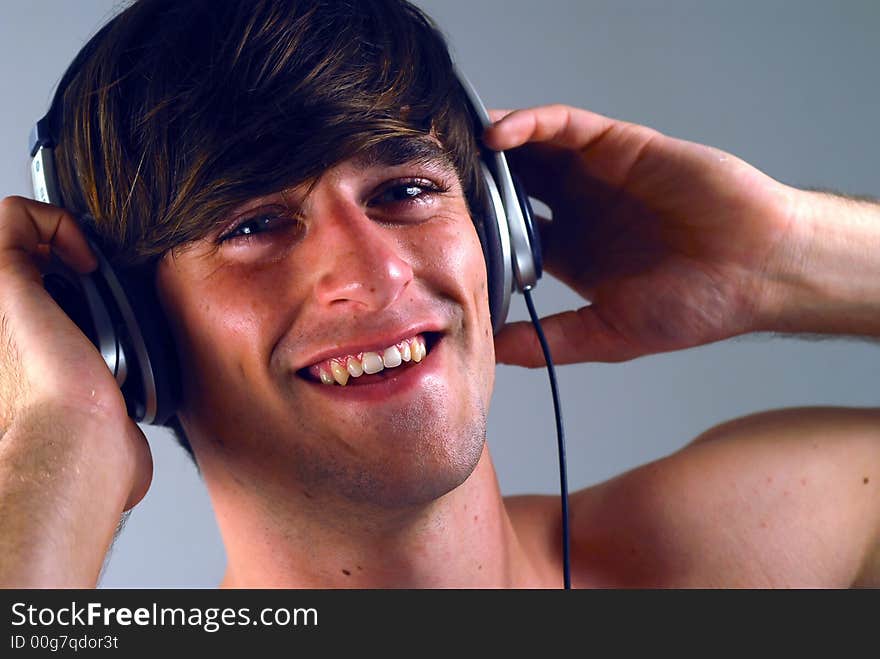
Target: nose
(361, 265)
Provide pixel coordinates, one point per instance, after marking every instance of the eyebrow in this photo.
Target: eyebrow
(396, 151)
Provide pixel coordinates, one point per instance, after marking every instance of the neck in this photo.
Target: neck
(464, 539)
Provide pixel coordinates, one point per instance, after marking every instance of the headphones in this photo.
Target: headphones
(120, 312)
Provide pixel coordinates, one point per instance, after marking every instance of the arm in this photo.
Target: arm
(66, 475)
(829, 281)
(675, 245)
(70, 458)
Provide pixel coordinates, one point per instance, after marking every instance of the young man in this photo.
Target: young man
(299, 179)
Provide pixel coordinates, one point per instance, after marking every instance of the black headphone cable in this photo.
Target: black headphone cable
(560, 437)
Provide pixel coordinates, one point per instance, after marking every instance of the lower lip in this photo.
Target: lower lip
(397, 384)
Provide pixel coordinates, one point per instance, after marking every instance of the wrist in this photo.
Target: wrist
(826, 278)
(65, 477)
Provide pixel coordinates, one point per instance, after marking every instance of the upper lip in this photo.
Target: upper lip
(369, 342)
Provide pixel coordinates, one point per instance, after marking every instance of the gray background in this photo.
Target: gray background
(791, 87)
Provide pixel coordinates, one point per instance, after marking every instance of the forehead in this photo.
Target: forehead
(415, 150)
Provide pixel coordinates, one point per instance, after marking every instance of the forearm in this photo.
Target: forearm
(827, 277)
(63, 484)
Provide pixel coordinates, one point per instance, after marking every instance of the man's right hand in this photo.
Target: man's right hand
(677, 244)
(71, 460)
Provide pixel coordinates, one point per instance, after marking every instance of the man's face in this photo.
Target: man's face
(302, 288)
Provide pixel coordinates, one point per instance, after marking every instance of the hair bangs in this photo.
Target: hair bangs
(187, 110)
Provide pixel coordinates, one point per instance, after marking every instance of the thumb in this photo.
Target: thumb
(573, 337)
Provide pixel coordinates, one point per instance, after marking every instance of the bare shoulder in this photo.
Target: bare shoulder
(777, 499)
(537, 522)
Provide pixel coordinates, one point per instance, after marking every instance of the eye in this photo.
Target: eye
(409, 191)
(257, 225)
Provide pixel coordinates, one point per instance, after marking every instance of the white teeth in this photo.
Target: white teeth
(340, 374)
(355, 368)
(372, 363)
(340, 369)
(391, 357)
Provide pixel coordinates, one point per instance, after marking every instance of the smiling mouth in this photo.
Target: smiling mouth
(372, 366)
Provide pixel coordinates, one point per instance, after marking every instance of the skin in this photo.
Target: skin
(685, 245)
(69, 464)
(354, 262)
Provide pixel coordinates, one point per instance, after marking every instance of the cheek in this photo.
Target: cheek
(452, 253)
(471, 263)
(457, 268)
(220, 323)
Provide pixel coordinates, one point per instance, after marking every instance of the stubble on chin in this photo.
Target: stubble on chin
(418, 458)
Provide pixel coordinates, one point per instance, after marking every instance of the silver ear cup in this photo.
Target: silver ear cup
(43, 175)
(78, 295)
(525, 273)
(145, 404)
(80, 299)
(108, 339)
(496, 247)
(532, 230)
(98, 305)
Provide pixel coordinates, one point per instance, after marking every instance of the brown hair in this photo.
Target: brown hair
(180, 110)
(185, 109)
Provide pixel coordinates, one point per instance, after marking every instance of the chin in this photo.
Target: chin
(409, 464)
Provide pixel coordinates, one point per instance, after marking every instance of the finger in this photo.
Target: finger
(544, 170)
(607, 148)
(561, 125)
(496, 114)
(573, 337)
(28, 224)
